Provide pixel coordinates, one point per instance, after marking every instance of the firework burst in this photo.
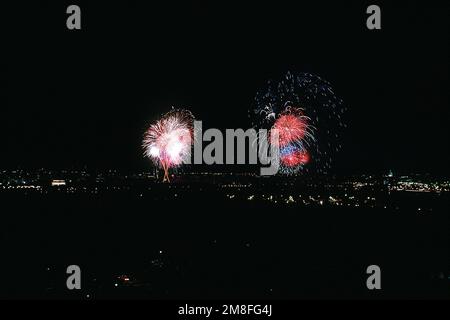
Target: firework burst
(309, 118)
(293, 156)
(168, 141)
(293, 128)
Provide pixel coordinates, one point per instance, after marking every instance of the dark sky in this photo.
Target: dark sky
(76, 98)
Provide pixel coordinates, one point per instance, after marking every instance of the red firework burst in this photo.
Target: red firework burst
(291, 127)
(295, 158)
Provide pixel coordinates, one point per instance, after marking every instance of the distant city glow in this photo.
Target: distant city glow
(57, 183)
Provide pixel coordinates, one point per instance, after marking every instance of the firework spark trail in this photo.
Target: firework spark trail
(309, 117)
(168, 141)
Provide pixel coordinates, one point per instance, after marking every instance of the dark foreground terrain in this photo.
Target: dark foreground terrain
(206, 245)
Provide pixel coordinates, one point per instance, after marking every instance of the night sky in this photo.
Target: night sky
(84, 98)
